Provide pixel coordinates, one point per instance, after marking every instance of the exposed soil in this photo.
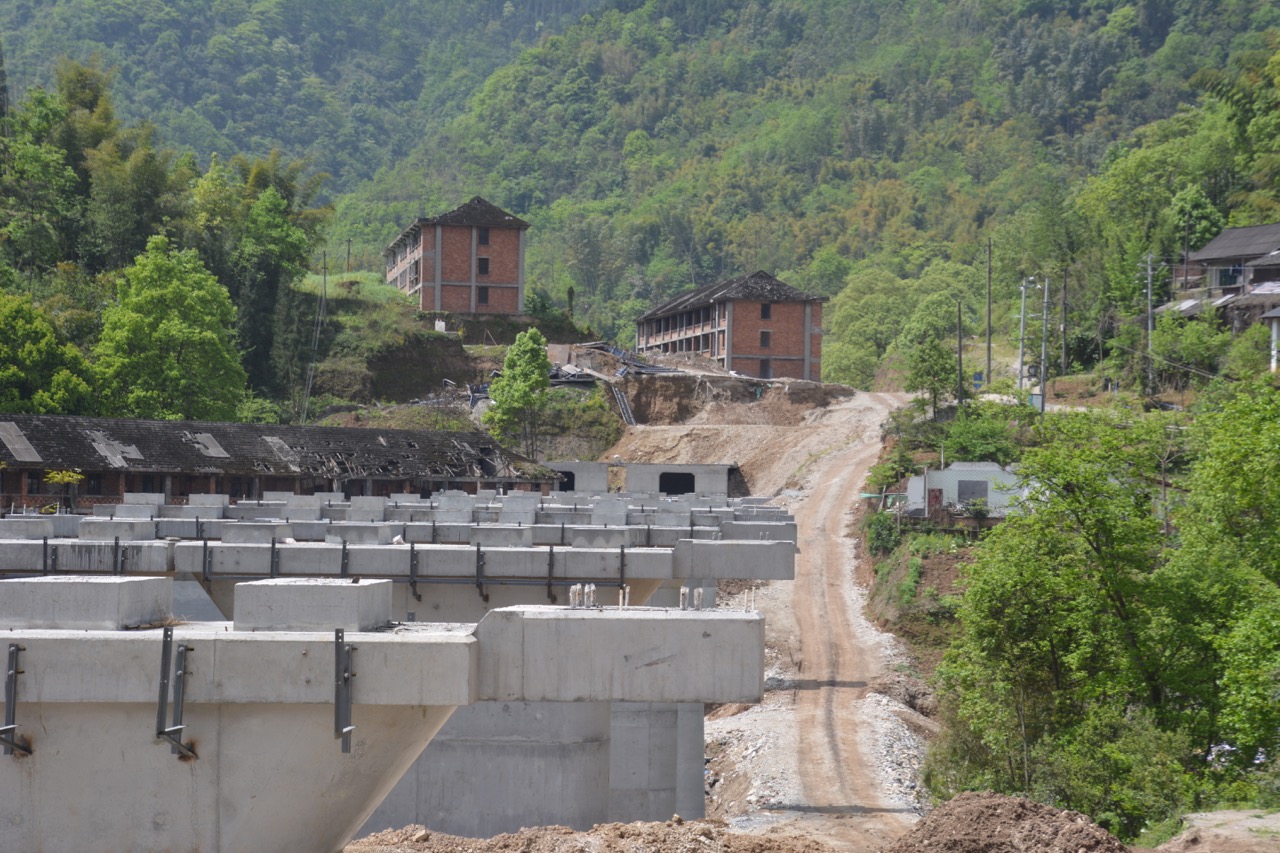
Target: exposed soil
(993, 823)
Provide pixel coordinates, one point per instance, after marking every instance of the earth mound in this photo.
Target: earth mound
(983, 822)
(673, 836)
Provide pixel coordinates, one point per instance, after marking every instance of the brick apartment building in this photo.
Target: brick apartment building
(467, 261)
(753, 325)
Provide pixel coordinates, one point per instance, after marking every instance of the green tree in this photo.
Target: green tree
(270, 257)
(167, 346)
(931, 368)
(518, 396)
(1070, 629)
(39, 373)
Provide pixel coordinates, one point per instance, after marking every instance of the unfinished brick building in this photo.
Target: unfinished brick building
(467, 261)
(754, 325)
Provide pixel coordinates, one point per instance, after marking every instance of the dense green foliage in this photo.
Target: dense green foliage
(167, 348)
(866, 153)
(1118, 645)
(349, 87)
(518, 397)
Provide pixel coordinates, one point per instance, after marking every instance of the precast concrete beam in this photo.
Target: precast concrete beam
(68, 556)
(735, 559)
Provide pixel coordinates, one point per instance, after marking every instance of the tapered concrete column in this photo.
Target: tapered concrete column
(657, 749)
(500, 766)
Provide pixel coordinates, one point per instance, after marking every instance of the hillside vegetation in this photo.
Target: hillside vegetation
(867, 151)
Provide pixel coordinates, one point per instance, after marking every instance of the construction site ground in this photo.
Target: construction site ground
(829, 759)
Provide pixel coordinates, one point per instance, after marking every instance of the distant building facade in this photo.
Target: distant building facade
(467, 261)
(754, 325)
(1239, 259)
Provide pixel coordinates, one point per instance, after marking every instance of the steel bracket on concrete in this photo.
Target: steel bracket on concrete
(50, 557)
(551, 564)
(622, 566)
(8, 735)
(346, 564)
(206, 561)
(413, 571)
(275, 559)
(173, 733)
(343, 674)
(484, 596)
(117, 559)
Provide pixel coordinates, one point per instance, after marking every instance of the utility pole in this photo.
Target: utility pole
(1022, 331)
(1151, 325)
(987, 375)
(1063, 326)
(1044, 346)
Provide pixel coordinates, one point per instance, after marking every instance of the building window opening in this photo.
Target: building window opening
(482, 295)
(766, 369)
(482, 236)
(766, 338)
(766, 310)
(482, 266)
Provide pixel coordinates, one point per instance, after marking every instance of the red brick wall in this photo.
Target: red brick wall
(456, 298)
(786, 326)
(503, 253)
(456, 260)
(427, 298)
(502, 300)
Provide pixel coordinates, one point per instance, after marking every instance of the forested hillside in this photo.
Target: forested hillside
(866, 151)
(348, 87)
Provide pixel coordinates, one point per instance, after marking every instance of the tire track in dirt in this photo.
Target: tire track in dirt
(835, 669)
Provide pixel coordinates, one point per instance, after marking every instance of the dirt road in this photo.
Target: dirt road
(835, 667)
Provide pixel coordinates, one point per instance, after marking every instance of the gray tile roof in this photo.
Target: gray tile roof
(475, 213)
(757, 287)
(1240, 244)
(190, 447)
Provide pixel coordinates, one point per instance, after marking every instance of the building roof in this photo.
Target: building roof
(1271, 259)
(54, 442)
(757, 287)
(475, 213)
(1240, 244)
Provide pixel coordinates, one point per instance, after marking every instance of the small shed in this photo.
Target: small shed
(960, 485)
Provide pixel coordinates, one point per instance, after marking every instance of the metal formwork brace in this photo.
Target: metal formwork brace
(173, 733)
(44, 555)
(484, 596)
(342, 672)
(551, 564)
(433, 531)
(275, 559)
(115, 557)
(413, 571)
(206, 561)
(8, 735)
(622, 566)
(345, 567)
(562, 533)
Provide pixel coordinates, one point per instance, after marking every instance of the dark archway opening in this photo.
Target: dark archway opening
(674, 483)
